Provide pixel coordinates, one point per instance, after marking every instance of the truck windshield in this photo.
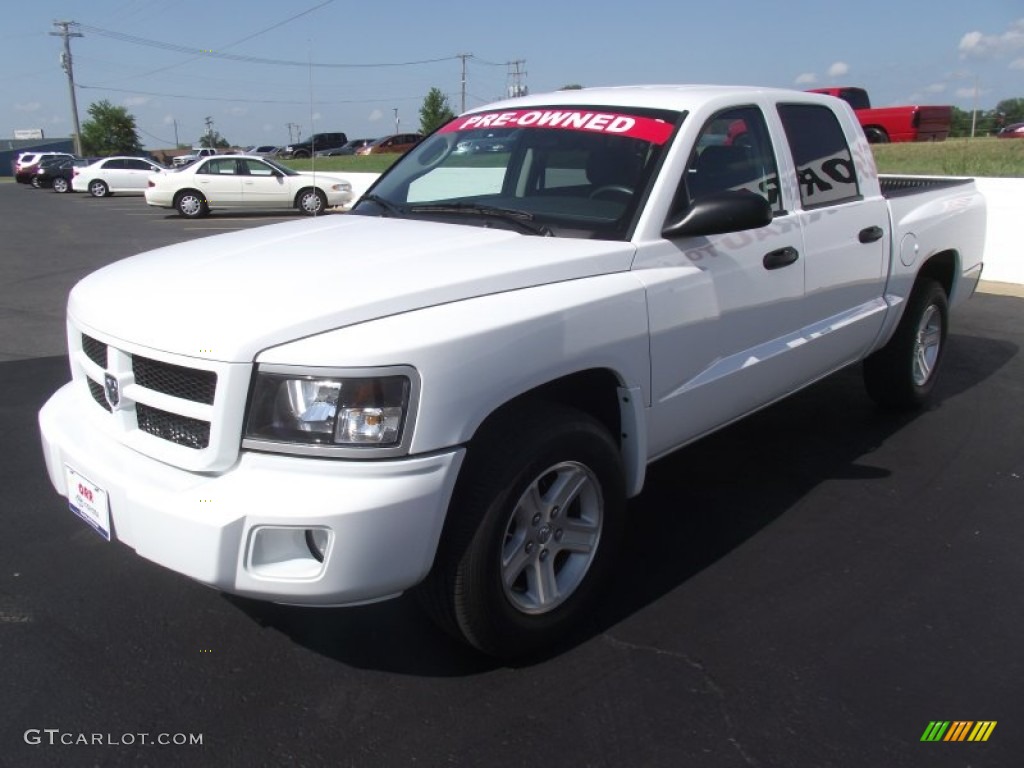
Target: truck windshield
(562, 171)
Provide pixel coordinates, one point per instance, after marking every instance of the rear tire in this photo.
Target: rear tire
(902, 374)
(61, 185)
(98, 188)
(191, 204)
(876, 136)
(532, 531)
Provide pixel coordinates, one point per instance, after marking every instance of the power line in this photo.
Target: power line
(248, 59)
(193, 97)
(238, 42)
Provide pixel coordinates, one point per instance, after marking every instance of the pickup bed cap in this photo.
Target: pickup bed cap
(317, 276)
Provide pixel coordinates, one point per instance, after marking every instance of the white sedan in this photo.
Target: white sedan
(244, 181)
(126, 175)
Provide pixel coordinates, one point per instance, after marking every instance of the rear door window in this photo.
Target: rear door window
(824, 164)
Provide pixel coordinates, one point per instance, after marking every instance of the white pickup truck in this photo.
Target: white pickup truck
(191, 157)
(457, 386)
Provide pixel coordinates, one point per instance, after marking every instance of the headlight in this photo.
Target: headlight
(329, 411)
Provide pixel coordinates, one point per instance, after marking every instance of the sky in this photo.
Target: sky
(268, 72)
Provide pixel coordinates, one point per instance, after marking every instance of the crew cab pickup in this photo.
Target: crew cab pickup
(895, 124)
(455, 387)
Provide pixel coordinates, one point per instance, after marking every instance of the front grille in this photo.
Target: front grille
(96, 390)
(181, 430)
(95, 350)
(187, 383)
(193, 389)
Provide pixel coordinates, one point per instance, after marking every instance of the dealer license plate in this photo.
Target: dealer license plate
(89, 502)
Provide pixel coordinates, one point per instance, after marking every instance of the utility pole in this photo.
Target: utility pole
(298, 133)
(209, 131)
(463, 56)
(515, 76)
(65, 62)
(175, 133)
(395, 110)
(974, 108)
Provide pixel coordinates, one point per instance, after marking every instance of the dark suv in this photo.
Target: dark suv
(318, 142)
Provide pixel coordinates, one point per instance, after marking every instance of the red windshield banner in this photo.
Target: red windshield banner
(611, 123)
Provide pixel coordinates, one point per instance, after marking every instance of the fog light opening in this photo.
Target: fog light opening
(316, 540)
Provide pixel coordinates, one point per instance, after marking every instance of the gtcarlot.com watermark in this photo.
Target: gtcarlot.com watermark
(55, 737)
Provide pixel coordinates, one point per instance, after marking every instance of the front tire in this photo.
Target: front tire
(312, 202)
(191, 204)
(531, 533)
(902, 374)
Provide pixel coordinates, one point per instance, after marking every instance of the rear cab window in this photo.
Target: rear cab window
(825, 169)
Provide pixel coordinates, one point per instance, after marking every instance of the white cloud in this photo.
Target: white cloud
(236, 111)
(316, 116)
(136, 101)
(936, 88)
(28, 106)
(979, 45)
(168, 120)
(966, 93)
(376, 115)
(268, 127)
(1017, 64)
(807, 78)
(839, 69)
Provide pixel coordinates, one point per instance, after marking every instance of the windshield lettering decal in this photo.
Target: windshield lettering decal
(646, 128)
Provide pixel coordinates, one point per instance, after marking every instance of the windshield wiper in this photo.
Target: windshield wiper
(384, 203)
(522, 219)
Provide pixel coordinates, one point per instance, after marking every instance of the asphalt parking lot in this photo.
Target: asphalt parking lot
(811, 587)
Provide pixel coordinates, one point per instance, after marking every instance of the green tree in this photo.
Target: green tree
(110, 131)
(215, 140)
(435, 111)
(1010, 111)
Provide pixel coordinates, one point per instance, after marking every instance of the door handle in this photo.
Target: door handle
(781, 258)
(871, 234)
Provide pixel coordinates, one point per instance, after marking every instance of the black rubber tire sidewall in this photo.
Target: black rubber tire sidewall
(889, 372)
(204, 209)
(466, 579)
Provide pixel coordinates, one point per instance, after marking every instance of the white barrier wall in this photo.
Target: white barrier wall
(1004, 252)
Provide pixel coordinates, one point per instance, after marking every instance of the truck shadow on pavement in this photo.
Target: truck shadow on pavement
(698, 505)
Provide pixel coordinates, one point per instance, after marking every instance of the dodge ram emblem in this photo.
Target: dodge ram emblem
(112, 390)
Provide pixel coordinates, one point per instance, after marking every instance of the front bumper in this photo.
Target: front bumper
(243, 530)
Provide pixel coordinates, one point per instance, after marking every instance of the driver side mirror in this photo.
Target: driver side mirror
(719, 213)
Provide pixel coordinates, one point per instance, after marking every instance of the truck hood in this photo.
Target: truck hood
(230, 296)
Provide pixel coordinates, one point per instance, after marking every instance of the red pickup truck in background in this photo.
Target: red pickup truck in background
(904, 123)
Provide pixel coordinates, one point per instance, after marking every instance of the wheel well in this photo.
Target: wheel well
(875, 129)
(304, 190)
(181, 192)
(592, 391)
(942, 268)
